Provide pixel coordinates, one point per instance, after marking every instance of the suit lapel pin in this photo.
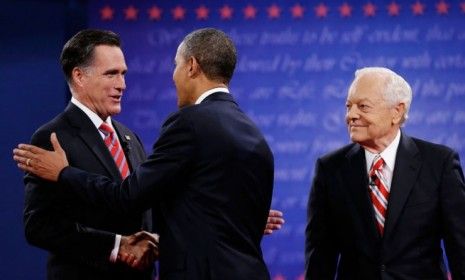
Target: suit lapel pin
(127, 137)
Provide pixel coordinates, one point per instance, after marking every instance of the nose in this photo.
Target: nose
(351, 113)
(121, 83)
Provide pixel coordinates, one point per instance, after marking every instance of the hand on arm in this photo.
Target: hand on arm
(274, 222)
(146, 185)
(139, 250)
(43, 163)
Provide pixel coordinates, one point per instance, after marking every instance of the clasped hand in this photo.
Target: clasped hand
(139, 250)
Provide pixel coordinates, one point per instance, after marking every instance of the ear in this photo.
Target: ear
(194, 67)
(77, 76)
(399, 111)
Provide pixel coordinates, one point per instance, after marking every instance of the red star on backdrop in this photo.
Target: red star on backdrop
(154, 13)
(297, 11)
(250, 12)
(226, 12)
(301, 277)
(130, 13)
(418, 8)
(273, 11)
(202, 12)
(321, 10)
(106, 13)
(369, 10)
(393, 9)
(178, 13)
(345, 10)
(442, 8)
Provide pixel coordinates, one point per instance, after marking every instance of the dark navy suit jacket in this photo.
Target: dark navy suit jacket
(210, 179)
(426, 204)
(78, 235)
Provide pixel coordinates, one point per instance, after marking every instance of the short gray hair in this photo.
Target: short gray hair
(396, 88)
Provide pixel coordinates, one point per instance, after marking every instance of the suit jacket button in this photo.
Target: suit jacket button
(383, 268)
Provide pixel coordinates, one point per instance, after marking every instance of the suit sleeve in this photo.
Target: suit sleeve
(157, 178)
(453, 209)
(48, 226)
(320, 252)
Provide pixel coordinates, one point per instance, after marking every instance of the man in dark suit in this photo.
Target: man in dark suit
(84, 239)
(210, 176)
(379, 208)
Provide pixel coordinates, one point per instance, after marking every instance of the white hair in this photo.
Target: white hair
(396, 88)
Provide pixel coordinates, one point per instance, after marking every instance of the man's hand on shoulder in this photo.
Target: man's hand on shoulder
(45, 164)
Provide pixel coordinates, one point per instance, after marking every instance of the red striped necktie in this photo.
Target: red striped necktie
(379, 192)
(115, 149)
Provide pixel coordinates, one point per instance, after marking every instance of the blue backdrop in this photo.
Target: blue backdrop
(295, 63)
(296, 60)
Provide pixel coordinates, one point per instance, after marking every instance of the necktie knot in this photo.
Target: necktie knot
(377, 165)
(106, 129)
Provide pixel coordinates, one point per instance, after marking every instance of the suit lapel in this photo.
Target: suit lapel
(89, 134)
(356, 177)
(126, 142)
(404, 176)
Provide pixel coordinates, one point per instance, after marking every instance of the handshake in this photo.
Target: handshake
(139, 250)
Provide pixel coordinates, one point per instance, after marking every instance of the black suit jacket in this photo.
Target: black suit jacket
(426, 204)
(78, 235)
(211, 178)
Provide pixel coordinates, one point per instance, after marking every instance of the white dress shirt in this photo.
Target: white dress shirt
(210, 92)
(389, 157)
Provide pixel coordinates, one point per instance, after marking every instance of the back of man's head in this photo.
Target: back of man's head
(214, 51)
(78, 51)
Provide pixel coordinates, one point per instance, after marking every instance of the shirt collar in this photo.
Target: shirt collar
(96, 120)
(388, 155)
(210, 92)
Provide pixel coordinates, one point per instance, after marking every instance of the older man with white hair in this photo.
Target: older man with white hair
(379, 207)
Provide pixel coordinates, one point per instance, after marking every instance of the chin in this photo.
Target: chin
(115, 112)
(356, 138)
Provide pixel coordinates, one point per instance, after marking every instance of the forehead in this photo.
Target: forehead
(367, 87)
(109, 56)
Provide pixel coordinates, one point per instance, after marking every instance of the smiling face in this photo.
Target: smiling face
(101, 84)
(372, 121)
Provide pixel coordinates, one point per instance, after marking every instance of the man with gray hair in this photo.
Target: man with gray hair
(209, 178)
(379, 207)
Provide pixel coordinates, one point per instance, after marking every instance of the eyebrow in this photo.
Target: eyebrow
(114, 71)
(360, 100)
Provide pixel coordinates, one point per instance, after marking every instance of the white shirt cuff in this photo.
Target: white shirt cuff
(114, 252)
